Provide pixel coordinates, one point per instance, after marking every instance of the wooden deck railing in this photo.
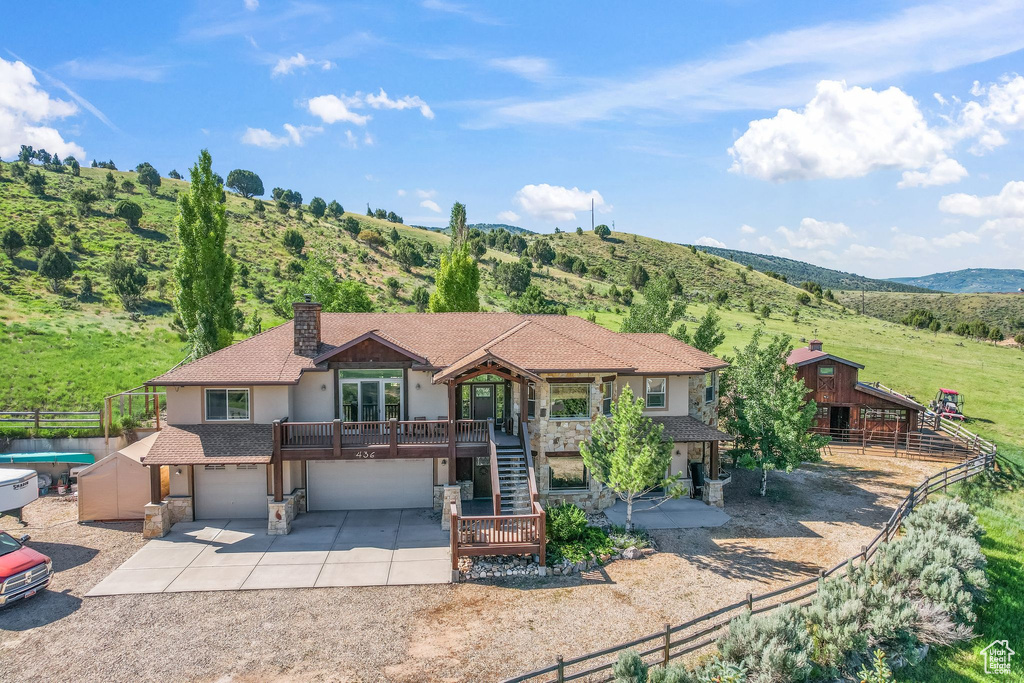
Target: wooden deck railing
(492, 448)
(328, 435)
(675, 641)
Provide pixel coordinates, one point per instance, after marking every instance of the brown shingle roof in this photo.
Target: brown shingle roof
(687, 429)
(536, 343)
(207, 444)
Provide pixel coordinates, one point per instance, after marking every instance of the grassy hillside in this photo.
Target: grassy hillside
(969, 280)
(1005, 311)
(800, 271)
(63, 352)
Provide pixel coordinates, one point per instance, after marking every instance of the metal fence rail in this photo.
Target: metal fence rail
(696, 634)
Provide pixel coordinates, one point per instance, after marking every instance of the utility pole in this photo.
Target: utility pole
(591, 214)
(862, 301)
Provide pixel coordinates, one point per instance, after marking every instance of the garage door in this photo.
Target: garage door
(369, 484)
(230, 491)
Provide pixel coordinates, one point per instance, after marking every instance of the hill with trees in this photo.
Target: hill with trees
(800, 271)
(969, 280)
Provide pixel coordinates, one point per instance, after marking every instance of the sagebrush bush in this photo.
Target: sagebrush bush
(566, 522)
(772, 647)
(947, 516)
(630, 668)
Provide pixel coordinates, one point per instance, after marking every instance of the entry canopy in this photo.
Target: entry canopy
(50, 456)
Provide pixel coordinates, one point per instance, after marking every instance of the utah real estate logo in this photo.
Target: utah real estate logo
(997, 657)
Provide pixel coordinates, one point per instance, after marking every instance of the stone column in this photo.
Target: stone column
(452, 494)
(713, 493)
(157, 522)
(180, 509)
(280, 515)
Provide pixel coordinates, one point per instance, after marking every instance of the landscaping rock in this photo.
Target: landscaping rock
(632, 553)
(497, 567)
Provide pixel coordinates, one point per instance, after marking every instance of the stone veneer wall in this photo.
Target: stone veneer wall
(180, 509)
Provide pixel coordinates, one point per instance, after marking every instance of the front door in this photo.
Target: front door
(483, 401)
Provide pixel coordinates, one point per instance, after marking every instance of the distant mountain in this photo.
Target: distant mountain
(969, 280)
(487, 227)
(800, 271)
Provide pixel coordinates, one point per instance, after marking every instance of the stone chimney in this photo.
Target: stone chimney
(306, 327)
(814, 345)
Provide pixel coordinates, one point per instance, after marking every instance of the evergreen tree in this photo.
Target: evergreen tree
(203, 271)
(638, 276)
(36, 182)
(12, 243)
(317, 207)
(245, 183)
(293, 240)
(40, 237)
(628, 454)
(149, 177)
(765, 407)
(352, 226)
(127, 281)
(56, 267)
(128, 211)
(421, 298)
(512, 276)
(335, 209)
(407, 255)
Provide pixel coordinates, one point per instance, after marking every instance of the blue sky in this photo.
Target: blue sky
(881, 138)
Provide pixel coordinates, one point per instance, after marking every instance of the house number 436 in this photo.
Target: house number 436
(365, 454)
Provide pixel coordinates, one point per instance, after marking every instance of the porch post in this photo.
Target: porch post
(714, 460)
(277, 464)
(451, 432)
(154, 484)
(524, 399)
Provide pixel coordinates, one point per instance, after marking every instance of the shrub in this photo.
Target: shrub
(772, 647)
(566, 522)
(803, 298)
(294, 241)
(128, 211)
(947, 515)
(630, 668)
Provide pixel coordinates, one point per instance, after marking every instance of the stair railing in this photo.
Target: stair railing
(495, 480)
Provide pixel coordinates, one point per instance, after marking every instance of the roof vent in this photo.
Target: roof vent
(814, 345)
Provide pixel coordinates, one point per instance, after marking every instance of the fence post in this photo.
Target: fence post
(910, 500)
(945, 479)
(668, 641)
(560, 672)
(750, 602)
(864, 552)
(36, 418)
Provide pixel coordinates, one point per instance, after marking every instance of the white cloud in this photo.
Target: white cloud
(510, 216)
(1002, 109)
(252, 5)
(747, 229)
(557, 203)
(401, 193)
(710, 242)
(531, 68)
(294, 135)
(426, 194)
(331, 109)
(287, 65)
(461, 10)
(430, 204)
(943, 173)
(23, 107)
(813, 234)
(102, 69)
(1009, 203)
(382, 101)
(873, 253)
(955, 240)
(843, 132)
(775, 70)
(767, 244)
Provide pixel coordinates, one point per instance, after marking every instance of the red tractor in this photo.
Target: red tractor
(949, 404)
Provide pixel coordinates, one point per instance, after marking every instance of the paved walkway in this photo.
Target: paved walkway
(356, 548)
(680, 513)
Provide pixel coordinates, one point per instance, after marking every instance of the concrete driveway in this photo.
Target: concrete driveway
(355, 548)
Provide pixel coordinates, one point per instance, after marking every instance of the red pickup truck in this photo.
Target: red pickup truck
(23, 571)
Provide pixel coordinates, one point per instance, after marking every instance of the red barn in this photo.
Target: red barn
(848, 407)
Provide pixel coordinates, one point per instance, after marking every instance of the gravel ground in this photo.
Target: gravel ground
(811, 519)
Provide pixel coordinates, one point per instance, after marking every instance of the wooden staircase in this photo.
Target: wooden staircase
(513, 479)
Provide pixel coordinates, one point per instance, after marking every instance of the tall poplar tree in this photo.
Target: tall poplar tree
(458, 276)
(203, 271)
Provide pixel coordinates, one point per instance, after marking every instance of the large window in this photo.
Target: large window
(531, 401)
(827, 370)
(370, 395)
(607, 389)
(656, 392)
(227, 405)
(570, 400)
(567, 473)
(710, 386)
(886, 415)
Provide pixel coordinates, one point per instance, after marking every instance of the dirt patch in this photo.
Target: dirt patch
(811, 519)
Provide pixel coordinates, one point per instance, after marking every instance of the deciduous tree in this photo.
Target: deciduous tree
(457, 282)
(130, 212)
(764, 406)
(658, 310)
(203, 271)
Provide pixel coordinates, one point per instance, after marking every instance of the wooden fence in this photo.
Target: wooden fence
(704, 631)
(141, 404)
(49, 419)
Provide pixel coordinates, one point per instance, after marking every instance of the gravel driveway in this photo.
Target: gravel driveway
(811, 519)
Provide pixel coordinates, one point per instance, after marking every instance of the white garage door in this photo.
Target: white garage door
(369, 484)
(230, 491)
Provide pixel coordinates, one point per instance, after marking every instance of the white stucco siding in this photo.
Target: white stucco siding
(313, 398)
(269, 403)
(184, 405)
(429, 400)
(677, 401)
